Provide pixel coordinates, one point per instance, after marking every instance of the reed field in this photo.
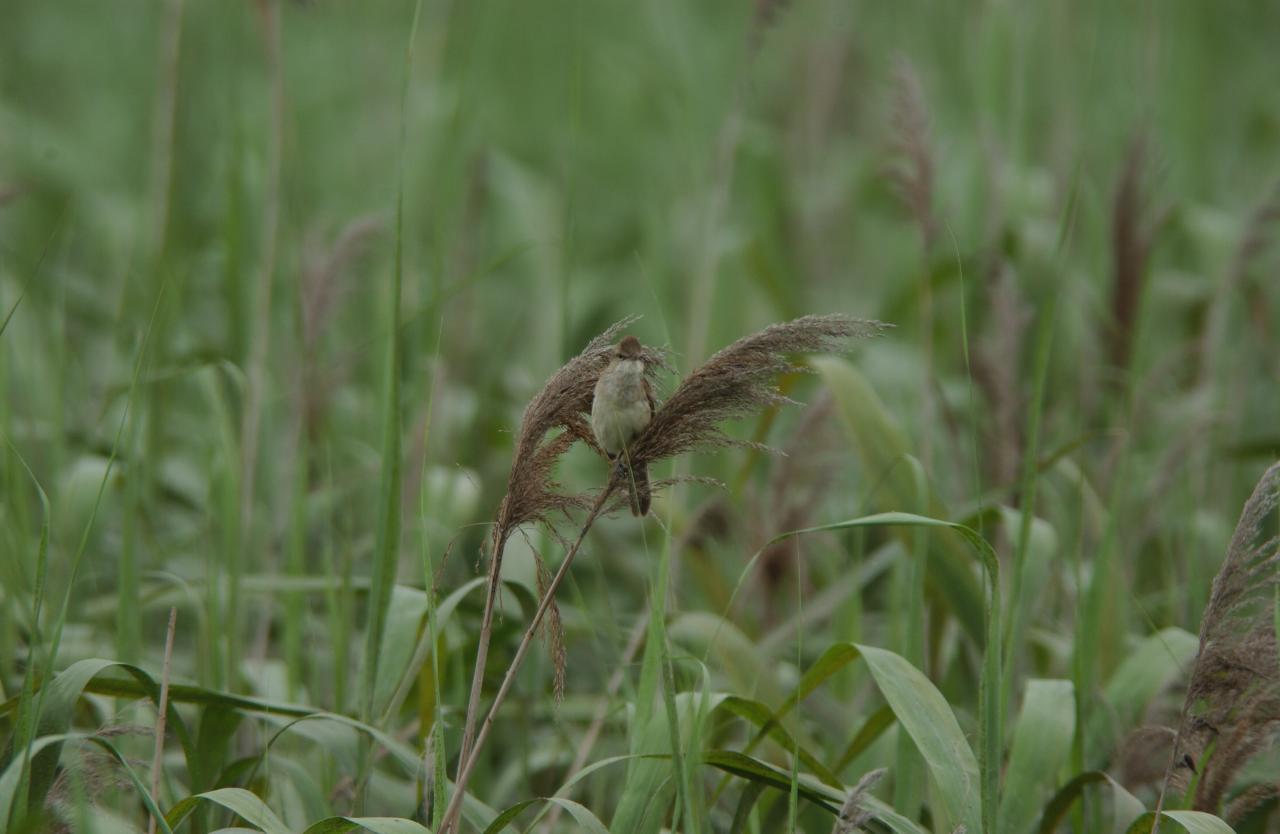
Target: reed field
(962, 326)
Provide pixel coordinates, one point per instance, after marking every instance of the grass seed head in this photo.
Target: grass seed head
(738, 382)
(1133, 232)
(1233, 695)
(853, 814)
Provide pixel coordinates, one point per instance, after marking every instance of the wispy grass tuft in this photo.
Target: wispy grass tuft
(1232, 705)
(737, 382)
(853, 814)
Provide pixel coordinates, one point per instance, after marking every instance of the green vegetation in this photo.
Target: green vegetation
(279, 279)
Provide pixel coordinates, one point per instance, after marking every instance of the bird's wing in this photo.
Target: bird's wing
(648, 395)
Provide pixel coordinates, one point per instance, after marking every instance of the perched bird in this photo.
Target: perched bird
(621, 409)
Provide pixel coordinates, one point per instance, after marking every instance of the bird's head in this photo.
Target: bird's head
(629, 348)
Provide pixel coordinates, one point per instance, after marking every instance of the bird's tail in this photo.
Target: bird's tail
(638, 488)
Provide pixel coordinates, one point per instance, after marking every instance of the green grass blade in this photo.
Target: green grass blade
(755, 770)
(1193, 822)
(386, 553)
(24, 734)
(925, 714)
(237, 800)
(1030, 479)
(884, 453)
(909, 617)
(5, 324)
(11, 778)
(375, 825)
(648, 733)
(1124, 805)
(991, 738)
(58, 701)
(1041, 746)
(746, 803)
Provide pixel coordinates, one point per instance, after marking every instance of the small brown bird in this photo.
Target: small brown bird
(621, 409)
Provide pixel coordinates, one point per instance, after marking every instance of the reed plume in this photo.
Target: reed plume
(911, 171)
(800, 478)
(734, 383)
(1133, 231)
(737, 382)
(324, 280)
(853, 814)
(1232, 706)
(556, 417)
(996, 371)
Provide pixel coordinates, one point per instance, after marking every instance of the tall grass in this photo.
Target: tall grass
(225, 392)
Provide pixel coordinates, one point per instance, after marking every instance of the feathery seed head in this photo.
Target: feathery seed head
(739, 381)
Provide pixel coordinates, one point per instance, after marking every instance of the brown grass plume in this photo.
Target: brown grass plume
(853, 814)
(739, 381)
(1232, 707)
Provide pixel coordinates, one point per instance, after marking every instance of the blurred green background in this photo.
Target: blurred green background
(205, 193)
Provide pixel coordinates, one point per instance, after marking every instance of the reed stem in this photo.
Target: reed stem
(467, 762)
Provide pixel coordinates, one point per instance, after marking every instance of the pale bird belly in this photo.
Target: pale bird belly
(615, 426)
(621, 409)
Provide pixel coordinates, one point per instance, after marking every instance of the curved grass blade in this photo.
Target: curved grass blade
(767, 722)
(586, 820)
(376, 825)
(25, 730)
(11, 779)
(989, 721)
(59, 698)
(1125, 806)
(927, 717)
(1139, 678)
(875, 725)
(747, 767)
(240, 802)
(1193, 822)
(883, 449)
(746, 802)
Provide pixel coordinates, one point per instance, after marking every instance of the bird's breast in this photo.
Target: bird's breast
(620, 410)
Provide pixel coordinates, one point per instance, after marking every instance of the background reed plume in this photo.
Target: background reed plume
(1134, 227)
(1232, 708)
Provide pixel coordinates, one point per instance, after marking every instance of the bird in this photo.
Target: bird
(621, 409)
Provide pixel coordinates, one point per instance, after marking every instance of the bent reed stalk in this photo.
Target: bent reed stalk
(532, 496)
(467, 764)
